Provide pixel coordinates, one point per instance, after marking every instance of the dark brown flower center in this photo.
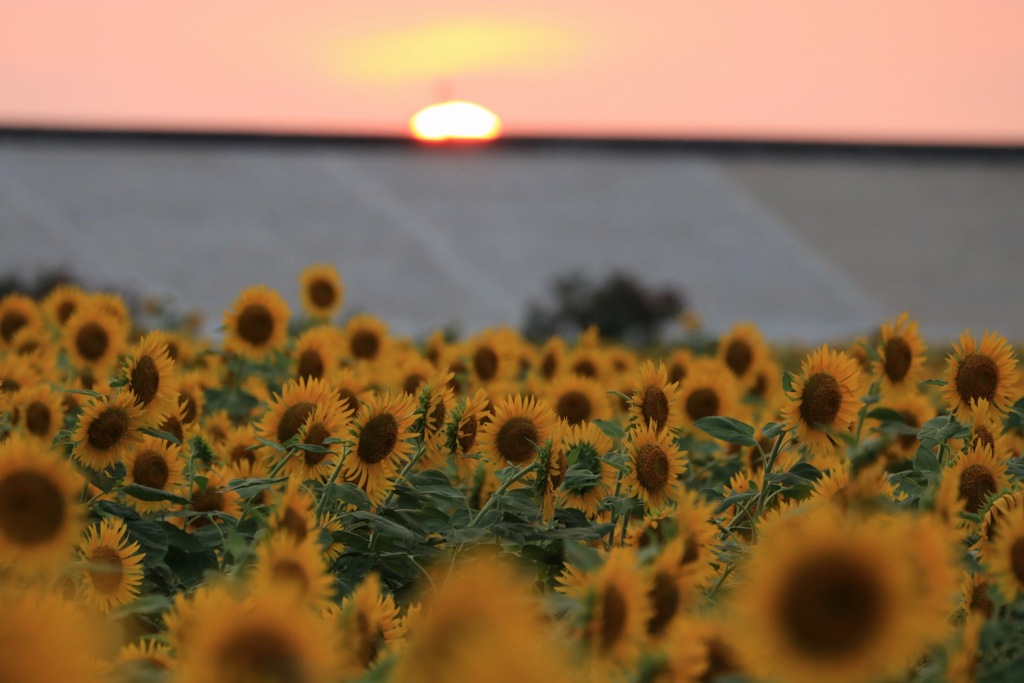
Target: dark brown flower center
(106, 569)
(92, 341)
(654, 407)
(64, 311)
(378, 438)
(292, 419)
(831, 606)
(294, 523)
(574, 407)
(976, 483)
(760, 385)
(676, 372)
(255, 324)
(322, 294)
(150, 469)
(288, 571)
(702, 402)
(370, 640)
(210, 500)
(691, 550)
(898, 358)
(485, 363)
(980, 602)
(585, 368)
(315, 434)
(145, 380)
(549, 365)
(412, 383)
(652, 467)
(38, 418)
(977, 377)
(983, 437)
(614, 612)
(665, 599)
(32, 509)
(821, 400)
(259, 653)
(311, 364)
(908, 441)
(516, 440)
(365, 344)
(722, 661)
(1017, 560)
(11, 323)
(241, 453)
(437, 415)
(108, 429)
(738, 356)
(191, 407)
(467, 434)
(172, 425)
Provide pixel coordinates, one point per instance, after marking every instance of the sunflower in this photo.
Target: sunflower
(34, 347)
(296, 568)
(621, 360)
(902, 355)
(655, 464)
(174, 424)
(554, 464)
(352, 388)
(710, 389)
(365, 339)
(839, 487)
(192, 388)
(40, 517)
(257, 324)
(977, 475)
(833, 599)
(491, 357)
(696, 530)
(157, 464)
(45, 637)
(964, 660)
(108, 428)
(436, 400)
(210, 498)
(519, 427)
(1005, 506)
(145, 656)
(111, 565)
(381, 432)
(315, 355)
(40, 412)
(94, 337)
(61, 302)
(151, 377)
(321, 291)
(578, 399)
(677, 365)
(915, 409)
(587, 360)
(699, 650)
(368, 625)
(987, 429)
(987, 370)
(672, 590)
(1005, 558)
(823, 400)
(741, 350)
(585, 444)
(551, 358)
(466, 625)
(463, 435)
(17, 311)
(974, 590)
(216, 426)
(267, 639)
(654, 400)
(325, 422)
(290, 409)
(294, 511)
(411, 372)
(619, 608)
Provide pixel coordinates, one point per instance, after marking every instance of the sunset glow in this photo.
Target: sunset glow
(454, 120)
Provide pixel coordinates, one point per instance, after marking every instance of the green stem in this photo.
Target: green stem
(762, 496)
(281, 463)
(721, 580)
(322, 503)
(501, 489)
(872, 391)
(403, 474)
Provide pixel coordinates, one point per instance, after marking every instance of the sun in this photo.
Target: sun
(454, 120)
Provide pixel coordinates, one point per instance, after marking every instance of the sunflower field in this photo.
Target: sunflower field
(305, 501)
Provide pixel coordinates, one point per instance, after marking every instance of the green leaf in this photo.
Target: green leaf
(150, 494)
(925, 461)
(727, 429)
(313, 448)
(385, 527)
(271, 444)
(166, 436)
(247, 488)
(735, 498)
(933, 383)
(787, 381)
(350, 494)
(620, 395)
(583, 557)
(612, 429)
(772, 430)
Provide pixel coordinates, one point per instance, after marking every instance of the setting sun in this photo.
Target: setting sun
(454, 120)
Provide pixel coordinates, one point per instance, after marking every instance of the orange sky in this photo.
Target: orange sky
(883, 70)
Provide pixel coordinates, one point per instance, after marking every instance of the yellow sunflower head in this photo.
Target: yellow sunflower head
(977, 476)
(111, 565)
(108, 429)
(654, 400)
(40, 516)
(710, 388)
(741, 350)
(365, 339)
(585, 444)
(294, 568)
(151, 376)
(290, 409)
(321, 291)
(974, 371)
(17, 311)
(368, 625)
(655, 466)
(902, 350)
(518, 428)
(823, 400)
(315, 355)
(257, 324)
(1005, 558)
(39, 412)
(1003, 507)
(95, 337)
(61, 302)
(492, 357)
(578, 399)
(380, 432)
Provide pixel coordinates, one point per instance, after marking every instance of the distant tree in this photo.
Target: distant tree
(619, 306)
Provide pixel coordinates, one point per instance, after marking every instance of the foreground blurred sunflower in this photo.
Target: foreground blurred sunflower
(672, 589)
(902, 355)
(257, 323)
(321, 291)
(111, 565)
(381, 433)
(654, 399)
(834, 599)
(987, 370)
(699, 650)
(108, 428)
(267, 640)
(144, 657)
(293, 568)
(1005, 506)
(368, 625)
(1005, 558)
(823, 399)
(151, 376)
(156, 464)
(518, 428)
(40, 517)
(655, 466)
